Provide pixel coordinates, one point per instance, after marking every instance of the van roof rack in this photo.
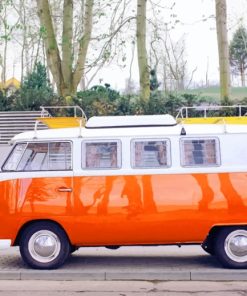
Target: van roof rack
(76, 118)
(236, 114)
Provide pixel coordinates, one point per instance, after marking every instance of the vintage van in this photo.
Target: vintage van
(126, 180)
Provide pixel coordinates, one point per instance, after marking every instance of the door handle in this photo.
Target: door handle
(64, 189)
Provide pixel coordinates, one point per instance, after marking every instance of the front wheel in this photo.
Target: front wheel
(44, 245)
(231, 247)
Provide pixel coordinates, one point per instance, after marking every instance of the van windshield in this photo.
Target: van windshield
(14, 157)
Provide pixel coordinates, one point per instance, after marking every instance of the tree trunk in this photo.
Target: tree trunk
(4, 60)
(22, 10)
(223, 49)
(242, 74)
(141, 50)
(84, 42)
(65, 78)
(51, 47)
(5, 49)
(67, 58)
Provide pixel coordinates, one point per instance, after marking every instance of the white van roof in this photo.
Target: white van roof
(130, 121)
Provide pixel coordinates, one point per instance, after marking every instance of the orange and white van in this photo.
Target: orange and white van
(126, 180)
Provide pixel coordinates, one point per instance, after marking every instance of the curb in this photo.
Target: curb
(69, 275)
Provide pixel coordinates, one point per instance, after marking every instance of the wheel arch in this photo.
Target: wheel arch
(32, 222)
(208, 243)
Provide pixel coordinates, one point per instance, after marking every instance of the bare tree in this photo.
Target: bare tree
(66, 70)
(142, 51)
(27, 36)
(169, 58)
(8, 27)
(223, 48)
(109, 44)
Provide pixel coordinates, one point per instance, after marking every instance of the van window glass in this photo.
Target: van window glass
(34, 158)
(15, 157)
(150, 153)
(40, 157)
(199, 152)
(60, 156)
(101, 155)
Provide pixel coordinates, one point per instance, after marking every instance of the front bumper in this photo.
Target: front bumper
(5, 243)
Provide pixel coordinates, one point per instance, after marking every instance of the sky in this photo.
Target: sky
(200, 41)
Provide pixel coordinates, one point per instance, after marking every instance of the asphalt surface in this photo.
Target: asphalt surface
(163, 263)
(121, 288)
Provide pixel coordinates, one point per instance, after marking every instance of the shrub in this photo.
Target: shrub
(35, 91)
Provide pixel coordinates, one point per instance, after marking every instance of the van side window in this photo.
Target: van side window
(41, 157)
(150, 153)
(60, 156)
(101, 155)
(200, 152)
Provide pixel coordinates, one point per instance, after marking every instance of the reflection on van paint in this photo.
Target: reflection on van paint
(114, 209)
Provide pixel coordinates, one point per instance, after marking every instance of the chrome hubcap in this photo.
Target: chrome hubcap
(236, 245)
(44, 246)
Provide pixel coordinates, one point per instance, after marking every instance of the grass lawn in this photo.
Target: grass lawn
(237, 93)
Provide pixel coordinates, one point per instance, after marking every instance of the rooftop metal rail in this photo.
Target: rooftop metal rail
(75, 109)
(65, 117)
(234, 110)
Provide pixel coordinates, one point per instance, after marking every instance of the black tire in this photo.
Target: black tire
(231, 247)
(55, 249)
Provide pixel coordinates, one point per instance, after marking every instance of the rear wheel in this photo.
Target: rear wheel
(44, 245)
(231, 247)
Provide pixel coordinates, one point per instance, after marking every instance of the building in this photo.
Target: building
(10, 86)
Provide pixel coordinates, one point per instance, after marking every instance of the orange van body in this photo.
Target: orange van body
(126, 210)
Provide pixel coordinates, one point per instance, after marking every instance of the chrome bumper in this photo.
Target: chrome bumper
(5, 243)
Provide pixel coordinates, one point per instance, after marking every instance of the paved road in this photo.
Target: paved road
(165, 263)
(124, 288)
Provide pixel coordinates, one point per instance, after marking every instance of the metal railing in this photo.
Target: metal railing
(75, 109)
(240, 110)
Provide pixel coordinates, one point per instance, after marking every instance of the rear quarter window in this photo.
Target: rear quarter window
(200, 152)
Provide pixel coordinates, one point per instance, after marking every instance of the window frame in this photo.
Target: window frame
(101, 141)
(132, 153)
(37, 142)
(217, 152)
